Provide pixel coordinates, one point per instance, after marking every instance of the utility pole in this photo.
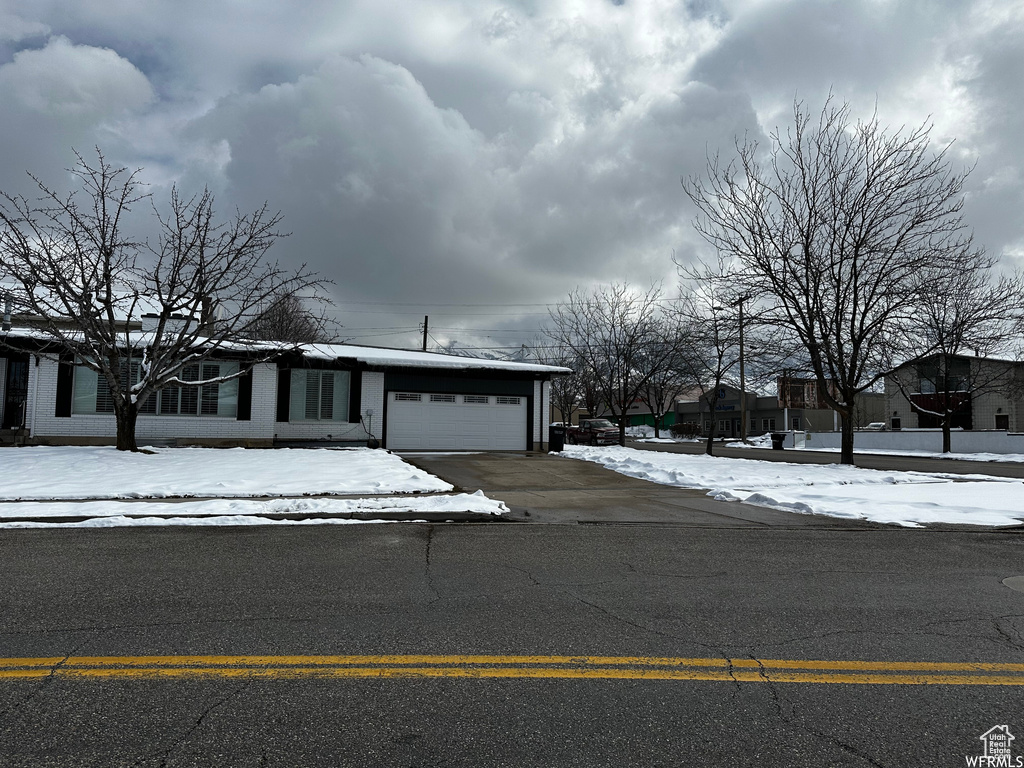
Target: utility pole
(743, 380)
(425, 318)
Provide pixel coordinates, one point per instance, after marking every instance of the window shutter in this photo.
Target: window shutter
(245, 396)
(327, 394)
(104, 396)
(65, 386)
(312, 401)
(210, 392)
(284, 393)
(355, 393)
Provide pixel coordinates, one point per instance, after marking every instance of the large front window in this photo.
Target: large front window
(318, 395)
(92, 395)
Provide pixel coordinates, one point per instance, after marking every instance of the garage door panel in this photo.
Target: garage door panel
(420, 421)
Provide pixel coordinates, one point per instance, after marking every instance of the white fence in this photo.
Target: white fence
(975, 441)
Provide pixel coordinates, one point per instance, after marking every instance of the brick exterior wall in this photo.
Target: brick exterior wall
(45, 428)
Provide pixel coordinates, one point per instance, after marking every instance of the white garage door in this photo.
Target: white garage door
(425, 421)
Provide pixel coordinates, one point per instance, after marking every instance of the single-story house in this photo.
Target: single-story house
(305, 394)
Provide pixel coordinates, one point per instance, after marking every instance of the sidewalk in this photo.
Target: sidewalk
(887, 462)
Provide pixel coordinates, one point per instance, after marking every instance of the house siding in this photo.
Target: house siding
(544, 408)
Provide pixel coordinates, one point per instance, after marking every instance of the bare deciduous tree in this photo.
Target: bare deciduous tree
(830, 226)
(712, 343)
(611, 332)
(86, 280)
(961, 309)
(568, 393)
(667, 382)
(288, 317)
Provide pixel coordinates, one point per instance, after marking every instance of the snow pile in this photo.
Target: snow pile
(904, 498)
(761, 441)
(236, 511)
(74, 472)
(644, 433)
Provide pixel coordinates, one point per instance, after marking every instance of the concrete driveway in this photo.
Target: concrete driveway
(546, 488)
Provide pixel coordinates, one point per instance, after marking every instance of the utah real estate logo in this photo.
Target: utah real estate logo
(997, 748)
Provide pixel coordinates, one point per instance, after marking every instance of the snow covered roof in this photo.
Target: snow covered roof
(401, 358)
(127, 306)
(373, 356)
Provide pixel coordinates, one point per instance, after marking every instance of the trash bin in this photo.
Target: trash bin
(556, 439)
(778, 440)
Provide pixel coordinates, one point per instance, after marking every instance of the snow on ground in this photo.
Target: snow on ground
(904, 498)
(233, 511)
(41, 482)
(76, 472)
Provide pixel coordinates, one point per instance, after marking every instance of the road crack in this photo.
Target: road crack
(790, 719)
(43, 683)
(652, 630)
(165, 755)
(427, 573)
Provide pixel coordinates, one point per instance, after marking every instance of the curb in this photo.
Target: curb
(396, 517)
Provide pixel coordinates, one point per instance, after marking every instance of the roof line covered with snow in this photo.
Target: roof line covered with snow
(376, 357)
(403, 358)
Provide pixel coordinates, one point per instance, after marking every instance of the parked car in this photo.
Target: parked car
(593, 432)
(874, 426)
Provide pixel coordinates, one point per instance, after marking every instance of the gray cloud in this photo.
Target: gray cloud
(464, 153)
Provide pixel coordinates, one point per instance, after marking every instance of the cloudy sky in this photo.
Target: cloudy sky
(475, 160)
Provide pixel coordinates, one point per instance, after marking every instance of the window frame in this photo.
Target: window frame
(336, 403)
(222, 403)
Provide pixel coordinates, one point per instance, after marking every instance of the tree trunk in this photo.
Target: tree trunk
(846, 452)
(711, 438)
(947, 438)
(126, 417)
(622, 430)
(657, 424)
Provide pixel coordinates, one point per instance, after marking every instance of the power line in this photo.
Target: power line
(429, 303)
(438, 314)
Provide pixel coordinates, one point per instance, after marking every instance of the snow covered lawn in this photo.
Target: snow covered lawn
(58, 482)
(904, 498)
(73, 472)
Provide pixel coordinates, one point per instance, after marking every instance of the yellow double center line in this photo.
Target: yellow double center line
(552, 667)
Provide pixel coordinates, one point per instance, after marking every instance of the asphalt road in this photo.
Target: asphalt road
(721, 594)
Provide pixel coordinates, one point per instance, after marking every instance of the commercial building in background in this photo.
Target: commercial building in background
(978, 393)
(797, 406)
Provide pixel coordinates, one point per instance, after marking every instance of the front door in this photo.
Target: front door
(15, 393)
